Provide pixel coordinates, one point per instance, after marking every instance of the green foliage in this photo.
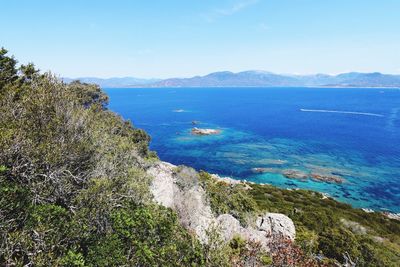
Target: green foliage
(73, 259)
(320, 228)
(216, 251)
(3, 168)
(73, 186)
(320, 222)
(247, 253)
(14, 204)
(155, 237)
(307, 239)
(107, 250)
(88, 95)
(335, 243)
(266, 260)
(226, 198)
(8, 70)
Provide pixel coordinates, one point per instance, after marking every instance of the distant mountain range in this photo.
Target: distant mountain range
(256, 79)
(114, 82)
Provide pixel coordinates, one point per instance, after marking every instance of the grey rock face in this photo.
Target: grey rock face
(183, 195)
(276, 224)
(163, 186)
(230, 227)
(180, 191)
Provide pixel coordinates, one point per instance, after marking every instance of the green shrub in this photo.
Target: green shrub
(73, 259)
(73, 186)
(227, 198)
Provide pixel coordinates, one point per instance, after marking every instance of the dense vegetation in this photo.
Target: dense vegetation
(72, 187)
(74, 192)
(325, 229)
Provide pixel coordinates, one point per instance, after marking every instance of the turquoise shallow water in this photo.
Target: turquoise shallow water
(349, 133)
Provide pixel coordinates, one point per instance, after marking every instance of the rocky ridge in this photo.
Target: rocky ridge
(185, 195)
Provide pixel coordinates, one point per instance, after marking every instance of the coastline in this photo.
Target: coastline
(233, 181)
(256, 142)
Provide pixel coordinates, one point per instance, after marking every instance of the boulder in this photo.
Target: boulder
(276, 225)
(230, 227)
(294, 174)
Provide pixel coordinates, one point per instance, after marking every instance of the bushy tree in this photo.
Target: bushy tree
(8, 70)
(73, 187)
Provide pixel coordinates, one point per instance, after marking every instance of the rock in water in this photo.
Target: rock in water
(265, 170)
(198, 131)
(330, 178)
(294, 174)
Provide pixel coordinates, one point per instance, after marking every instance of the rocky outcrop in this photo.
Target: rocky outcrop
(231, 181)
(230, 227)
(268, 227)
(330, 178)
(178, 188)
(276, 224)
(294, 174)
(394, 216)
(163, 186)
(190, 204)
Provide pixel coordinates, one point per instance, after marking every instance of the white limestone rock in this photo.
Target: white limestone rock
(178, 188)
(190, 204)
(163, 186)
(276, 224)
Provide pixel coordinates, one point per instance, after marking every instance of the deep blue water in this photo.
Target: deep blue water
(266, 128)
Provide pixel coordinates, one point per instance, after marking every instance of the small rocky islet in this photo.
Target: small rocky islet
(203, 131)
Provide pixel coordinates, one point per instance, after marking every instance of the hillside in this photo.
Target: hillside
(80, 187)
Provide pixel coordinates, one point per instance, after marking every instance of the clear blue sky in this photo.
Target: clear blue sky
(172, 38)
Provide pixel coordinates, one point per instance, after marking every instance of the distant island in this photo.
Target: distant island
(254, 79)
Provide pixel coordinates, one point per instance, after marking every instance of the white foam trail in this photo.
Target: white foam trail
(342, 112)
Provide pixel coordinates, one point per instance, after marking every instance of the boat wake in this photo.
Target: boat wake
(341, 112)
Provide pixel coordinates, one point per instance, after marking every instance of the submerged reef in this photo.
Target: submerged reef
(302, 175)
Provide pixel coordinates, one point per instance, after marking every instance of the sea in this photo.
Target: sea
(269, 134)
